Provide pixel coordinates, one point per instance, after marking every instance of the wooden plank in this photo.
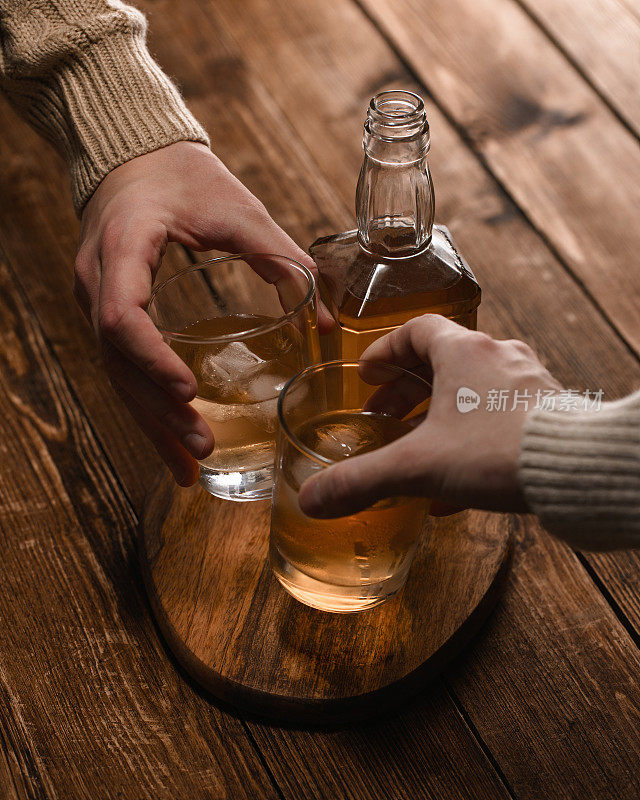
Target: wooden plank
(20, 777)
(40, 230)
(543, 688)
(483, 220)
(566, 652)
(602, 40)
(243, 639)
(88, 700)
(283, 173)
(549, 139)
(485, 223)
(31, 216)
(414, 754)
(618, 573)
(494, 227)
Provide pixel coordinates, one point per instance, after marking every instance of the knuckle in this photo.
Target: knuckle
(475, 344)
(464, 344)
(417, 327)
(110, 318)
(411, 327)
(483, 341)
(522, 348)
(447, 329)
(112, 234)
(396, 337)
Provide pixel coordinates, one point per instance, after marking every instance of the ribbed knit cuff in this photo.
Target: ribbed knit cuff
(580, 473)
(107, 104)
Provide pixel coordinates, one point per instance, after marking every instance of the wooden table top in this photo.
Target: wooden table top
(535, 115)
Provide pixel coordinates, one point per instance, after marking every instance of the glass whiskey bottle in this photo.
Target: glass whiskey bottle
(397, 264)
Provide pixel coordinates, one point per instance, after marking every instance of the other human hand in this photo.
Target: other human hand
(458, 459)
(180, 193)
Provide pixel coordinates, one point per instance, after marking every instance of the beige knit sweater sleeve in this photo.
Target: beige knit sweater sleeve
(80, 73)
(581, 474)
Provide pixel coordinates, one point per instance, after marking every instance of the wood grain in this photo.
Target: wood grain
(88, 700)
(39, 231)
(550, 140)
(572, 728)
(602, 39)
(554, 315)
(414, 754)
(546, 688)
(231, 625)
(29, 230)
(286, 114)
(510, 260)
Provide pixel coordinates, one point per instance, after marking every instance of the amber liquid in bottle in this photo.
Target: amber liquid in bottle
(397, 264)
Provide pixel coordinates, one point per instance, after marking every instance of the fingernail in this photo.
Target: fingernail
(183, 478)
(195, 444)
(182, 390)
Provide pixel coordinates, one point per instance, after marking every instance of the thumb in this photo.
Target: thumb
(357, 483)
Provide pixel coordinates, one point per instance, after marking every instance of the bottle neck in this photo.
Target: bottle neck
(394, 199)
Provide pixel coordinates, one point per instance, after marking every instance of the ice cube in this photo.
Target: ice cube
(213, 413)
(264, 414)
(251, 383)
(264, 383)
(223, 370)
(212, 372)
(338, 440)
(265, 391)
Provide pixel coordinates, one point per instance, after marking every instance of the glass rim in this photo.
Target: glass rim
(239, 335)
(293, 439)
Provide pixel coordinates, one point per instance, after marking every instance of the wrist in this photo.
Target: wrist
(580, 473)
(121, 105)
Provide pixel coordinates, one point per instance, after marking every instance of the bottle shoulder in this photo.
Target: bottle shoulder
(437, 277)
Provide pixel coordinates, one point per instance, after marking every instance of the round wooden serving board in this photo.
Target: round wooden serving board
(245, 640)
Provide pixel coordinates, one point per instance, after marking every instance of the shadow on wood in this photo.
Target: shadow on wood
(236, 631)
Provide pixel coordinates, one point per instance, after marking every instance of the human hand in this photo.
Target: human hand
(461, 460)
(181, 193)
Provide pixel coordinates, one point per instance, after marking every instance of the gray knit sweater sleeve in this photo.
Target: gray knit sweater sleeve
(580, 473)
(80, 73)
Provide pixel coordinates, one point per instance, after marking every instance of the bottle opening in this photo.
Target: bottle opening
(397, 105)
(396, 114)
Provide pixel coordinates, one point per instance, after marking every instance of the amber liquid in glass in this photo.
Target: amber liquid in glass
(351, 562)
(238, 386)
